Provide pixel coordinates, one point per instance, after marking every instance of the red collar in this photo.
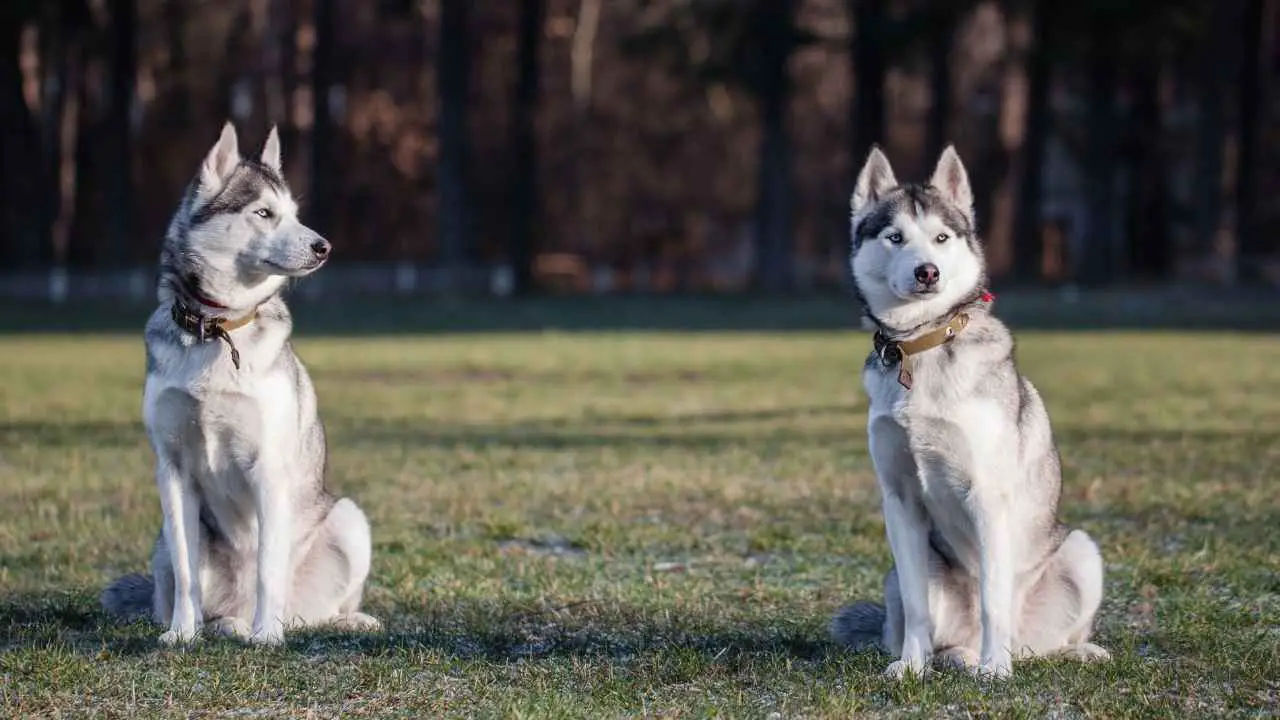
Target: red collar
(207, 302)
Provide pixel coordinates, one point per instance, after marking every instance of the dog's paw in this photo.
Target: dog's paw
(179, 636)
(270, 634)
(357, 622)
(230, 627)
(958, 658)
(1086, 652)
(901, 669)
(997, 668)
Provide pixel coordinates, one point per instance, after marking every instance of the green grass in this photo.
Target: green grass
(607, 524)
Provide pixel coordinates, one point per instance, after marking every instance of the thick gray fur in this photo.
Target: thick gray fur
(252, 541)
(968, 470)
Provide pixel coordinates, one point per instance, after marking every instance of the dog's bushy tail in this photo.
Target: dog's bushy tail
(129, 598)
(859, 626)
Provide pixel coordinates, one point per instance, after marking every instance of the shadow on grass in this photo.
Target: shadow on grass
(597, 431)
(490, 630)
(613, 431)
(1170, 308)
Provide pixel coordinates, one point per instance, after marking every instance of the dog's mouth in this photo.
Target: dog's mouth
(296, 271)
(917, 291)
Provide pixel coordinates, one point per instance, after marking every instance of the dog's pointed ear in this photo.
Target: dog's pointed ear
(221, 160)
(271, 150)
(951, 179)
(874, 181)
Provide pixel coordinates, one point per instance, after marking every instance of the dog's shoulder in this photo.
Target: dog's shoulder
(984, 339)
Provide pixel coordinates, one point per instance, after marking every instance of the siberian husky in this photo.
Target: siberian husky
(252, 541)
(962, 446)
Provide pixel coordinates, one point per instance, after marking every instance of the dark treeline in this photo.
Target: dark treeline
(657, 144)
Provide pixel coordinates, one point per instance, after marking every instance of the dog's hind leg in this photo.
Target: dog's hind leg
(350, 530)
(953, 617)
(1059, 610)
(329, 583)
(227, 604)
(953, 608)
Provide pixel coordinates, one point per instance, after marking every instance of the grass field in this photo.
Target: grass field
(606, 524)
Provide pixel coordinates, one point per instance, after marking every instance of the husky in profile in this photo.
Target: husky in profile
(962, 446)
(252, 541)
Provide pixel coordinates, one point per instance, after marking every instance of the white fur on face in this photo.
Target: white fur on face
(282, 244)
(245, 258)
(885, 270)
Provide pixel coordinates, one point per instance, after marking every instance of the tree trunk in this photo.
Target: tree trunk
(1216, 71)
(1028, 237)
(175, 22)
(22, 235)
(118, 166)
(60, 25)
(1099, 261)
(524, 191)
(84, 156)
(775, 36)
(869, 67)
(941, 37)
(287, 32)
(1251, 99)
(582, 63)
(322, 134)
(453, 70)
(1147, 222)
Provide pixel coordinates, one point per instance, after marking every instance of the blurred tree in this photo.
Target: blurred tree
(322, 201)
(775, 37)
(1160, 33)
(118, 135)
(24, 233)
(85, 177)
(870, 24)
(175, 24)
(1098, 264)
(524, 180)
(1252, 98)
(1218, 53)
(1149, 206)
(1028, 236)
(63, 29)
(940, 36)
(1110, 42)
(748, 45)
(279, 76)
(453, 69)
(582, 60)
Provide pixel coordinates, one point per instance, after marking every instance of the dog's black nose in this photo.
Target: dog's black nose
(321, 248)
(927, 274)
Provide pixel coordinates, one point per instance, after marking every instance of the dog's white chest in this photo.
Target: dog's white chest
(938, 447)
(215, 423)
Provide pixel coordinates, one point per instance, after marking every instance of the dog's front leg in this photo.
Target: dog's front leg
(181, 507)
(996, 580)
(275, 542)
(908, 539)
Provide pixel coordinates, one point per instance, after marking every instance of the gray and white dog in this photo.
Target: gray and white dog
(252, 541)
(961, 443)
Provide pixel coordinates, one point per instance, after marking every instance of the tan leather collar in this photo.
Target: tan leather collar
(893, 352)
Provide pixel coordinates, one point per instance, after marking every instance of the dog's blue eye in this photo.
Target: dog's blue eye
(263, 213)
(942, 237)
(895, 238)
